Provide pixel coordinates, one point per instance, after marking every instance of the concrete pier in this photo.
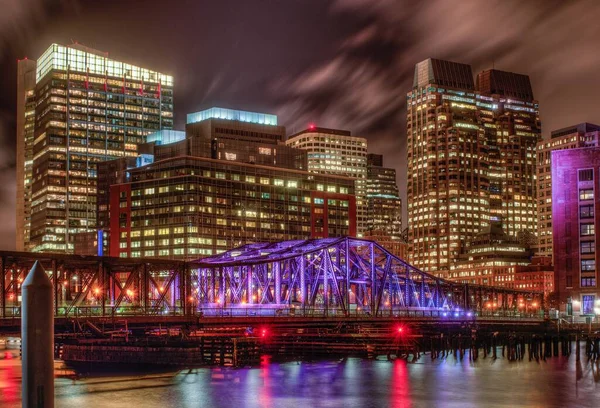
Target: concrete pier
(37, 340)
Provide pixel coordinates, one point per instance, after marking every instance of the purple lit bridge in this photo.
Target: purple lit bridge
(324, 278)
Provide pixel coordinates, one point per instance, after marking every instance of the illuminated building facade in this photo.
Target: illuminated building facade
(471, 159)
(575, 197)
(538, 276)
(25, 126)
(233, 135)
(492, 259)
(384, 206)
(89, 108)
(188, 207)
(392, 244)
(572, 137)
(337, 152)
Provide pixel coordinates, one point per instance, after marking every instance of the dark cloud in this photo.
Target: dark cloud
(339, 63)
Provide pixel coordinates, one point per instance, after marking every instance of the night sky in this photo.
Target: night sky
(343, 64)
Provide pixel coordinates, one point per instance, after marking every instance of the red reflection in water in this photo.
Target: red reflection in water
(10, 381)
(400, 388)
(264, 395)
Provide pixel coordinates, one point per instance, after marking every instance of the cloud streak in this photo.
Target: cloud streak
(363, 86)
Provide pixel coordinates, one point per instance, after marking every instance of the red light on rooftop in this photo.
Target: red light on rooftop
(311, 126)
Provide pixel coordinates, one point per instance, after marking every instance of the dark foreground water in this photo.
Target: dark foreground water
(559, 382)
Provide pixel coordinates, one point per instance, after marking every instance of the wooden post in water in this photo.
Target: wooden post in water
(37, 340)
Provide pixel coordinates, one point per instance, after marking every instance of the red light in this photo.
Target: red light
(311, 126)
(263, 332)
(399, 329)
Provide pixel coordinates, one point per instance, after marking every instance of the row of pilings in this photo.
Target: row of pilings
(510, 345)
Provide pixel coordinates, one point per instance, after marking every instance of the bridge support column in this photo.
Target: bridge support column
(250, 288)
(302, 273)
(277, 273)
(222, 287)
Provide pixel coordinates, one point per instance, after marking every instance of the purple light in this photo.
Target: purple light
(444, 314)
(469, 314)
(455, 314)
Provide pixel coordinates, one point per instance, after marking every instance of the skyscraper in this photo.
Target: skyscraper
(337, 152)
(571, 137)
(384, 206)
(471, 159)
(25, 126)
(89, 108)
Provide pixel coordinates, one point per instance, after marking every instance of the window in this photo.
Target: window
(587, 282)
(587, 304)
(586, 211)
(569, 281)
(586, 175)
(586, 229)
(586, 194)
(588, 265)
(588, 247)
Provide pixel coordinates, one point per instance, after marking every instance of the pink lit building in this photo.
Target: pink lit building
(575, 196)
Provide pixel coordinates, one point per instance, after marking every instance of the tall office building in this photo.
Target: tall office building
(384, 206)
(25, 126)
(572, 137)
(231, 181)
(337, 152)
(471, 159)
(89, 108)
(509, 116)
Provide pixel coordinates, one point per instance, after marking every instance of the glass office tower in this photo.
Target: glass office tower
(89, 108)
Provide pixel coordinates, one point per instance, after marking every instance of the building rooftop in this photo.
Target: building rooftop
(82, 59)
(583, 127)
(443, 73)
(328, 131)
(231, 114)
(510, 84)
(163, 137)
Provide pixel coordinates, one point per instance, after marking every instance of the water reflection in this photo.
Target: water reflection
(558, 382)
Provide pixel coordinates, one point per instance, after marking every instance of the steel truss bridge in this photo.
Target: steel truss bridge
(322, 277)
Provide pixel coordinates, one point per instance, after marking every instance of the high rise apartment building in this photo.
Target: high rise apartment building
(25, 127)
(89, 108)
(337, 152)
(384, 206)
(572, 137)
(575, 202)
(471, 159)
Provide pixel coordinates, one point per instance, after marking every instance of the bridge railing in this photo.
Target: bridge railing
(283, 311)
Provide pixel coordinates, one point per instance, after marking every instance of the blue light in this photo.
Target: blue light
(230, 114)
(100, 242)
(455, 314)
(444, 314)
(165, 136)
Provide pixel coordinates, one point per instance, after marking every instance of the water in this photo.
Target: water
(353, 382)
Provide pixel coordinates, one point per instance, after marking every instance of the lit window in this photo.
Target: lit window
(586, 194)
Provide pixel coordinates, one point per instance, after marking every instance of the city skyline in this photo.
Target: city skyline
(307, 81)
